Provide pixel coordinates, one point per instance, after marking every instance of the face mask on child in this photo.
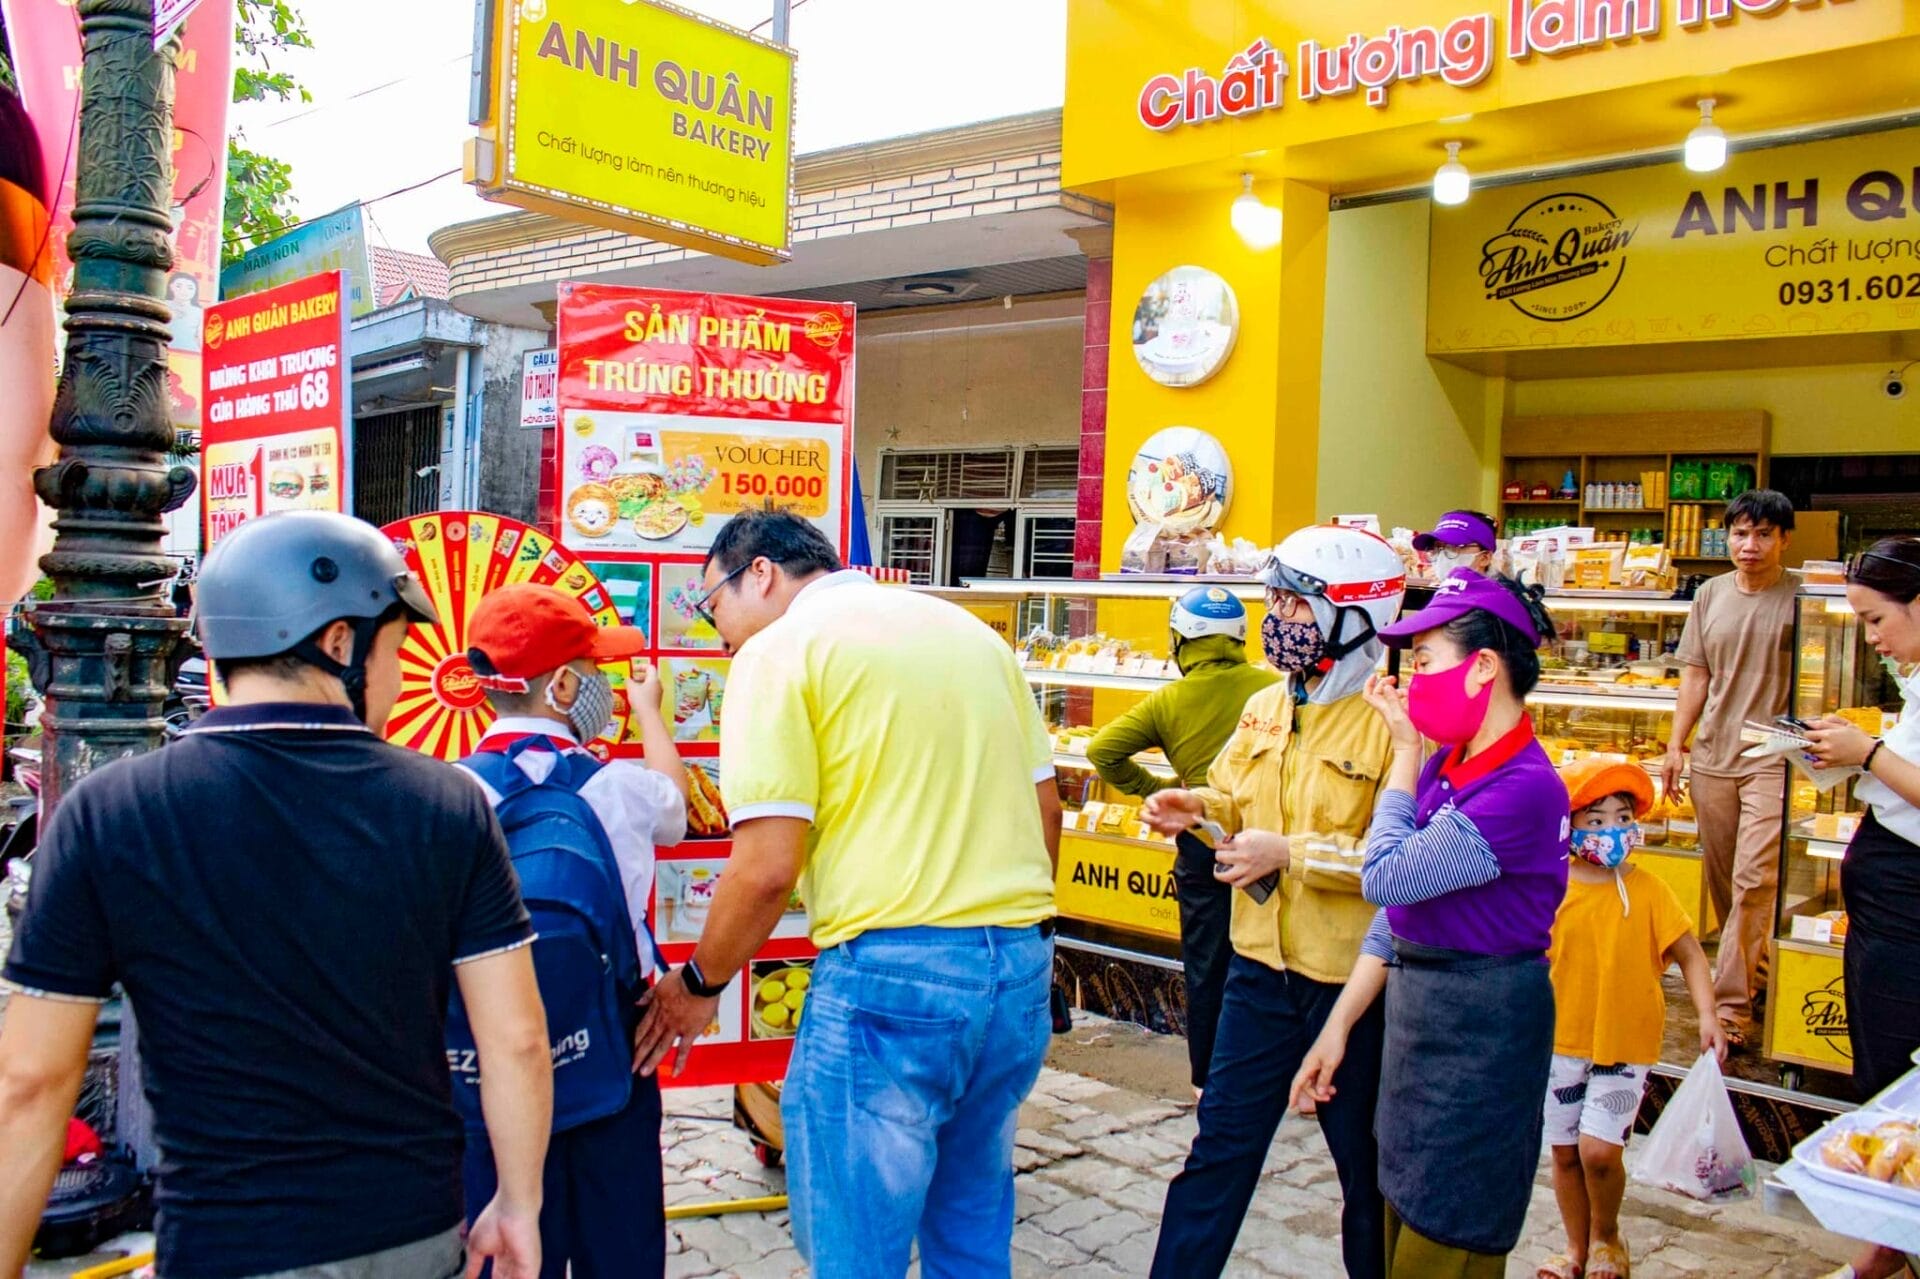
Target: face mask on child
(1608, 847)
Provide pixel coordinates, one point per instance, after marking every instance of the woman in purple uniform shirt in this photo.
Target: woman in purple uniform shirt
(1467, 855)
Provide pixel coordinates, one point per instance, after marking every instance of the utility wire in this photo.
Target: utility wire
(237, 239)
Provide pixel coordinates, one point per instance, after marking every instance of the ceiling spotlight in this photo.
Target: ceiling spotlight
(1451, 181)
(929, 289)
(1706, 148)
(1255, 221)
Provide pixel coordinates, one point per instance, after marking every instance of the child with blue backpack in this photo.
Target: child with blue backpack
(582, 835)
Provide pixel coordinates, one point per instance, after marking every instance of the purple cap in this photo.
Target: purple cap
(1463, 592)
(1458, 528)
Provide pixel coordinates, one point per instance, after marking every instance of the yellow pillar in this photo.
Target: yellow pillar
(1264, 404)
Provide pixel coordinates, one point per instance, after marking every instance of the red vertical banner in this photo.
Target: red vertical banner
(678, 411)
(45, 36)
(278, 390)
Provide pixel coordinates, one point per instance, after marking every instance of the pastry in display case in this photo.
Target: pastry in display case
(1609, 684)
(1091, 650)
(1834, 673)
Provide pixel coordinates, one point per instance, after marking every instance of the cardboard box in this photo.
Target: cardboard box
(1816, 536)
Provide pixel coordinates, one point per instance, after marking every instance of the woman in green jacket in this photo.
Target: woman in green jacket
(1191, 719)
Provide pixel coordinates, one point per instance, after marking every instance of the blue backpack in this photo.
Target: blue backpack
(584, 953)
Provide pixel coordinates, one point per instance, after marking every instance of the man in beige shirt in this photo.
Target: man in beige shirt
(1736, 653)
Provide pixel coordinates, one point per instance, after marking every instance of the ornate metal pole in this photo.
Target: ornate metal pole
(102, 652)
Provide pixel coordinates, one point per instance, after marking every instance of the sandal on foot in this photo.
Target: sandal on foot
(1558, 1266)
(1609, 1261)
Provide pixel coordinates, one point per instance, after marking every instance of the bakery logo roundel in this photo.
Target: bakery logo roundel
(1559, 259)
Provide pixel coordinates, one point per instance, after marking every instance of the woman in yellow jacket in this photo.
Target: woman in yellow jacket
(1294, 790)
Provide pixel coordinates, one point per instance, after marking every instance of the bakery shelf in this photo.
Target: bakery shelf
(1643, 700)
(1080, 679)
(1100, 837)
(1151, 588)
(1067, 759)
(1650, 602)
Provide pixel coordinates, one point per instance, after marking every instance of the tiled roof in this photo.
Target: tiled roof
(396, 275)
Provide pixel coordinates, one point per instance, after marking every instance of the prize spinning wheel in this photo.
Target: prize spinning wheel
(459, 556)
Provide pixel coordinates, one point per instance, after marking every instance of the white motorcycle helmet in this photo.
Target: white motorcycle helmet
(1355, 571)
(1208, 610)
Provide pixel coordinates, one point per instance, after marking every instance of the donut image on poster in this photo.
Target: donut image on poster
(459, 556)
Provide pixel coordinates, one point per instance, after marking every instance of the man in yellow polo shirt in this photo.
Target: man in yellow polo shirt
(883, 750)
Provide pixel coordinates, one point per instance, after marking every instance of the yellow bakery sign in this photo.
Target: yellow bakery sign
(1120, 882)
(644, 118)
(1795, 241)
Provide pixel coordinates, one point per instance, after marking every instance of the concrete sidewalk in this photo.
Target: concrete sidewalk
(1106, 1127)
(1097, 1144)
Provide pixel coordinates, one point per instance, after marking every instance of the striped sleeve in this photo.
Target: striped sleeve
(1406, 865)
(1379, 939)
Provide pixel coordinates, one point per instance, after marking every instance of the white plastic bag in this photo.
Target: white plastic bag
(1696, 1147)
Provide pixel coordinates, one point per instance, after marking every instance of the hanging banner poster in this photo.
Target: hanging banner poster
(678, 411)
(45, 38)
(1785, 242)
(278, 392)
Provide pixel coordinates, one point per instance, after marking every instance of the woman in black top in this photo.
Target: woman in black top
(1880, 879)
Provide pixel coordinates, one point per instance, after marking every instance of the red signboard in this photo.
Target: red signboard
(277, 391)
(678, 411)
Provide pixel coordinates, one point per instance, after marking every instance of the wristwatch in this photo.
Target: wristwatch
(696, 981)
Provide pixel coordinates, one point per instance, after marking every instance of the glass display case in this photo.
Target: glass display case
(1092, 649)
(1608, 685)
(1834, 672)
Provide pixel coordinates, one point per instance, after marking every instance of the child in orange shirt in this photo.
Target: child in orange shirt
(1614, 936)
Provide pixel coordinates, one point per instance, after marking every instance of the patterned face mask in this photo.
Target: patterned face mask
(1609, 847)
(1293, 647)
(592, 711)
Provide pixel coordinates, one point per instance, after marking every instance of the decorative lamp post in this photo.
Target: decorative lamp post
(102, 649)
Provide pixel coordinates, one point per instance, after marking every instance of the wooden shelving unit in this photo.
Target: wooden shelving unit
(1621, 448)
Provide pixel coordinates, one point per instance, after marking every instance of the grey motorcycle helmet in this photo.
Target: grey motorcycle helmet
(273, 584)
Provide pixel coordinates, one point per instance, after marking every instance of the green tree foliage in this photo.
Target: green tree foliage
(259, 187)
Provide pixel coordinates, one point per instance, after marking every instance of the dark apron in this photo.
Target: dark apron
(1462, 1089)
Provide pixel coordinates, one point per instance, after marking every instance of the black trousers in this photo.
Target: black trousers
(605, 1209)
(1268, 1020)
(1206, 920)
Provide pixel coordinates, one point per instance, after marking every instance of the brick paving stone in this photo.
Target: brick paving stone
(1050, 1249)
(1115, 1225)
(1071, 1215)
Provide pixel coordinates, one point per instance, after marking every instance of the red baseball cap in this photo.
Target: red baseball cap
(526, 630)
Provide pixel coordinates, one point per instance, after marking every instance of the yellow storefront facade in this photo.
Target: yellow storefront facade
(1335, 398)
(1593, 296)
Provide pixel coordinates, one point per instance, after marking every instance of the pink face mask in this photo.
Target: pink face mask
(1440, 707)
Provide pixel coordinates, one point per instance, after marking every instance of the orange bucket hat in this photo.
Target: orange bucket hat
(1591, 780)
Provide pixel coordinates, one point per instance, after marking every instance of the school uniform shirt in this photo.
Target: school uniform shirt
(639, 808)
(284, 897)
(1606, 963)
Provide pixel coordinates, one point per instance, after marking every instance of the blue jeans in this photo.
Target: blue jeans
(918, 1047)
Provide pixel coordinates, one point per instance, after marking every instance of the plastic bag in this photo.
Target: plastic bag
(1696, 1147)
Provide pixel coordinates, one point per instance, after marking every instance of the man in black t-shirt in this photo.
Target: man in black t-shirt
(285, 899)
